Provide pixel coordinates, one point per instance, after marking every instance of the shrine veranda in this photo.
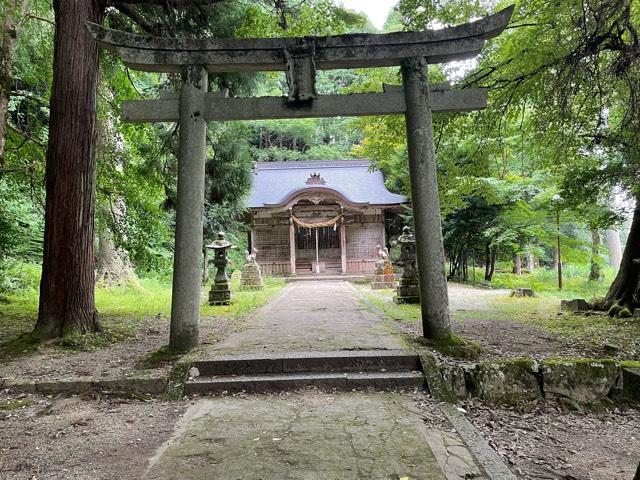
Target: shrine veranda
(193, 107)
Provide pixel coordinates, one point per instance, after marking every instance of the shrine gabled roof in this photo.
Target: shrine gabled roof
(274, 182)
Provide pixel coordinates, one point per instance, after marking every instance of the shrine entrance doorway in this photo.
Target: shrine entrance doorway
(318, 250)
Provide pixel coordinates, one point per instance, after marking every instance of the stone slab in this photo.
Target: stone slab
(307, 436)
(588, 380)
(340, 381)
(292, 362)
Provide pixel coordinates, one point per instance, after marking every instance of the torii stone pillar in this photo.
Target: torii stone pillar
(434, 298)
(185, 296)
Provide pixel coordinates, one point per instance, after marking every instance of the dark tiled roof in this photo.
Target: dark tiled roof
(273, 182)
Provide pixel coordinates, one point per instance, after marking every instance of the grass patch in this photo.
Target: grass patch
(121, 310)
(544, 281)
(383, 300)
(243, 302)
(592, 332)
(11, 405)
(113, 331)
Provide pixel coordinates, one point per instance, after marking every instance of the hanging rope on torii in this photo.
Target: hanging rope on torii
(300, 58)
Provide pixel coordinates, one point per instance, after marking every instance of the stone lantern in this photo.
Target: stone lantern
(408, 287)
(220, 293)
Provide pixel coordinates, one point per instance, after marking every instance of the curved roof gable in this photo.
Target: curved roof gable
(273, 182)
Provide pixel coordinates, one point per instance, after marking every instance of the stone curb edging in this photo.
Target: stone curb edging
(490, 461)
(493, 466)
(589, 382)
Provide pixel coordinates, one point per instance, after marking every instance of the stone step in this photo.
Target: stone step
(323, 277)
(296, 362)
(296, 381)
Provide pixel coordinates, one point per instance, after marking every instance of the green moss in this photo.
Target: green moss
(629, 364)
(522, 362)
(579, 361)
(178, 377)
(453, 346)
(158, 358)
(11, 405)
(115, 332)
(600, 405)
(16, 347)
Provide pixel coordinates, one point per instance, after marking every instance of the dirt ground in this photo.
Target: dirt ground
(551, 443)
(96, 438)
(81, 439)
(508, 328)
(118, 359)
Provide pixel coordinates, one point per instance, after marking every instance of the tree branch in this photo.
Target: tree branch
(172, 3)
(138, 19)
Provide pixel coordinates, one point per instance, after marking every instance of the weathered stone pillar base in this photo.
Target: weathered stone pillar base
(220, 294)
(251, 278)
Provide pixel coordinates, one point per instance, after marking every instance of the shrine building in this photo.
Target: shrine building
(319, 217)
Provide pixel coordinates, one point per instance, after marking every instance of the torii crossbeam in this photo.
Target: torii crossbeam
(299, 58)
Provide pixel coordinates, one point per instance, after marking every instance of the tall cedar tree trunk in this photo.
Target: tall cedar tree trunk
(624, 294)
(67, 301)
(14, 10)
(596, 265)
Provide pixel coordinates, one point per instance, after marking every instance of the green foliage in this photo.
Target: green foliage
(544, 281)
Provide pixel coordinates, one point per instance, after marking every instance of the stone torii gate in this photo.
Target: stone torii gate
(193, 107)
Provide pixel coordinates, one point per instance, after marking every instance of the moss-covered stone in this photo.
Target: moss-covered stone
(584, 380)
(438, 386)
(178, 376)
(631, 384)
(509, 382)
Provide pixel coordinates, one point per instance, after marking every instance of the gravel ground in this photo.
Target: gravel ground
(81, 438)
(551, 443)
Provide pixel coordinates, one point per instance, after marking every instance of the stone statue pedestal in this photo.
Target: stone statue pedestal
(409, 287)
(384, 276)
(251, 278)
(220, 293)
(408, 291)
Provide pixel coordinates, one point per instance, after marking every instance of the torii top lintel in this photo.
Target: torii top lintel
(156, 54)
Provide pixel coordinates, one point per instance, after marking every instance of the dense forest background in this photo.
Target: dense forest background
(556, 154)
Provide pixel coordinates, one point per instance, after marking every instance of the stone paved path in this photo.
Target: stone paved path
(312, 316)
(312, 435)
